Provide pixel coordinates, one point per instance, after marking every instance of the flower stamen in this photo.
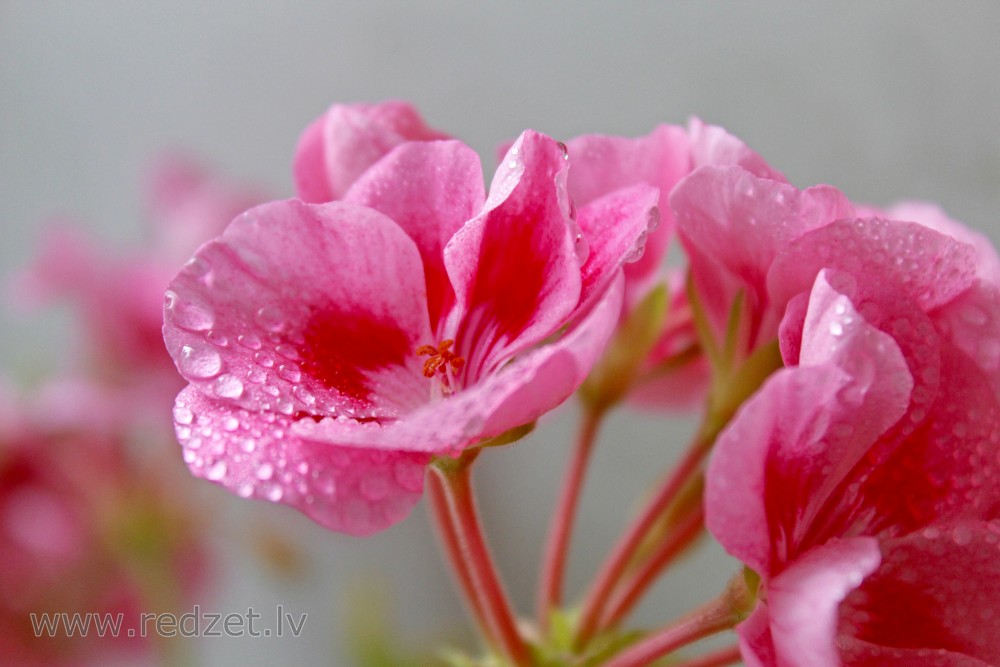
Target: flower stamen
(441, 360)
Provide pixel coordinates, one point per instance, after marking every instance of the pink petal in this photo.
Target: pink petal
(935, 593)
(922, 264)
(803, 600)
(616, 227)
(712, 145)
(603, 164)
(735, 223)
(791, 444)
(516, 395)
(933, 216)
(303, 308)
(430, 189)
(342, 143)
(971, 322)
(756, 643)
(258, 455)
(514, 268)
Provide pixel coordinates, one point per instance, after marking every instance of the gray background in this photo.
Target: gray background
(883, 99)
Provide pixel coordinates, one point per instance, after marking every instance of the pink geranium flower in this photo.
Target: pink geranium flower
(860, 481)
(417, 316)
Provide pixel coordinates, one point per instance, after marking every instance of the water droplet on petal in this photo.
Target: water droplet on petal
(187, 314)
(249, 341)
(290, 372)
(273, 492)
(288, 352)
(271, 319)
(217, 339)
(200, 362)
(836, 328)
(265, 471)
(228, 386)
(263, 359)
(216, 471)
(183, 415)
(230, 423)
(257, 375)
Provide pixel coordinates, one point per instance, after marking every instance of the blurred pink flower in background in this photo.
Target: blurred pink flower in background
(84, 528)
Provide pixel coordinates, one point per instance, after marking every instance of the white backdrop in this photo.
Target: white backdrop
(883, 99)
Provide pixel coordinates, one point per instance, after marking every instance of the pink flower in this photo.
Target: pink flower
(119, 296)
(358, 339)
(860, 481)
(81, 526)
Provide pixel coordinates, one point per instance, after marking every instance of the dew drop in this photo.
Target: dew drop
(563, 149)
(216, 471)
(271, 319)
(250, 341)
(265, 472)
(230, 423)
(217, 339)
(244, 490)
(263, 359)
(304, 395)
(200, 362)
(290, 372)
(836, 328)
(248, 445)
(257, 375)
(273, 492)
(375, 487)
(228, 386)
(187, 314)
(183, 415)
(288, 352)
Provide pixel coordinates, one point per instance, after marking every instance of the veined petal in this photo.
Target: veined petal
(934, 595)
(514, 267)
(803, 601)
(303, 308)
(617, 228)
(516, 395)
(925, 265)
(341, 144)
(258, 455)
(430, 189)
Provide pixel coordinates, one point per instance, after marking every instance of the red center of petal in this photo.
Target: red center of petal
(341, 349)
(441, 360)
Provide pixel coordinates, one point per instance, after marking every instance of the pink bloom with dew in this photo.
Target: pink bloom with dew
(860, 482)
(413, 318)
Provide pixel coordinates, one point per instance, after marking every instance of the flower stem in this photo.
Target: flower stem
(621, 556)
(721, 658)
(445, 522)
(718, 615)
(561, 529)
(456, 482)
(681, 537)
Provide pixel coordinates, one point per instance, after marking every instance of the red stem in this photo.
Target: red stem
(456, 482)
(712, 618)
(681, 537)
(618, 561)
(726, 656)
(445, 522)
(561, 529)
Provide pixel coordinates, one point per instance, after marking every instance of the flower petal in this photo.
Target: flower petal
(935, 592)
(258, 455)
(514, 268)
(303, 308)
(430, 189)
(803, 600)
(617, 228)
(971, 322)
(734, 224)
(712, 145)
(514, 396)
(341, 144)
(791, 444)
(923, 264)
(600, 165)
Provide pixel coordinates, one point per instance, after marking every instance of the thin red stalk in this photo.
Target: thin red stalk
(726, 656)
(445, 522)
(712, 618)
(561, 529)
(683, 534)
(457, 484)
(618, 561)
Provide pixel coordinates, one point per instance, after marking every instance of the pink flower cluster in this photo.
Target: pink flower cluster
(400, 314)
